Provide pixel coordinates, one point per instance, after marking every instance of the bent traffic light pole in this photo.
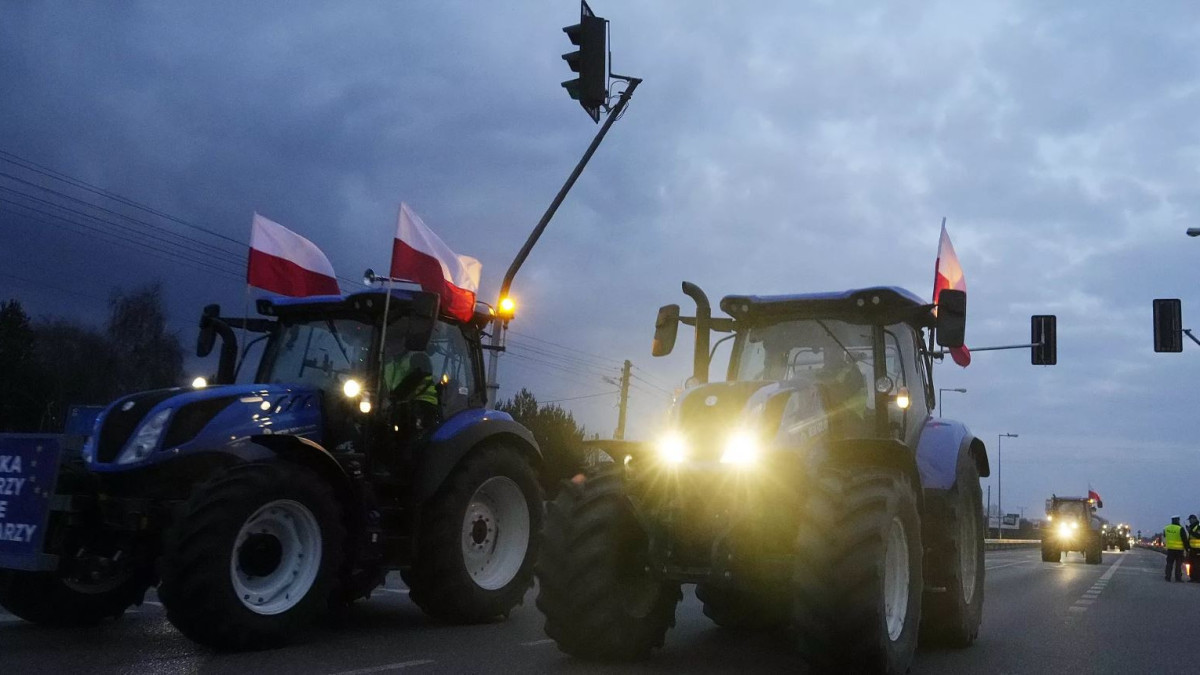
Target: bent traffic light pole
(613, 115)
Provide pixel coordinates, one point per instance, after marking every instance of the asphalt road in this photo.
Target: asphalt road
(1068, 617)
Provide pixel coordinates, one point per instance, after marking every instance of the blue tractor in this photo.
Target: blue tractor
(812, 490)
(364, 445)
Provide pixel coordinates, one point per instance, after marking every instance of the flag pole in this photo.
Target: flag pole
(237, 368)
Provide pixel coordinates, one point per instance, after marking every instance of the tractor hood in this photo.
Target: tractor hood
(776, 414)
(151, 426)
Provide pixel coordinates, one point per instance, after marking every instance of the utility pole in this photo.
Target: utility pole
(625, 372)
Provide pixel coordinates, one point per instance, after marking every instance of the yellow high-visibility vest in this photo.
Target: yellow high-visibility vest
(1173, 537)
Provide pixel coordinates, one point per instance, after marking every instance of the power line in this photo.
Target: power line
(165, 253)
(617, 363)
(651, 384)
(577, 365)
(34, 167)
(652, 376)
(576, 398)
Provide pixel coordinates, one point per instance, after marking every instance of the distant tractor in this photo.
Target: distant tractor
(1073, 526)
(1116, 537)
(812, 490)
(364, 445)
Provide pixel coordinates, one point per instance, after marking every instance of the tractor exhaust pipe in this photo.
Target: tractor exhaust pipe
(703, 321)
(212, 325)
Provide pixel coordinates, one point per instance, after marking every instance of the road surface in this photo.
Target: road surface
(1117, 617)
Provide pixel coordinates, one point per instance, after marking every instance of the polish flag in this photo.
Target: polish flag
(948, 274)
(1095, 496)
(421, 256)
(283, 262)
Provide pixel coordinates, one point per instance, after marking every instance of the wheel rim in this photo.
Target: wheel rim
(276, 556)
(495, 533)
(968, 555)
(896, 579)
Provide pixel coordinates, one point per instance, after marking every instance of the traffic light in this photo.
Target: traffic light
(1044, 351)
(1168, 325)
(591, 61)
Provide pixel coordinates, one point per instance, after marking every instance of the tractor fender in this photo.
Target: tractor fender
(298, 450)
(460, 435)
(893, 454)
(942, 445)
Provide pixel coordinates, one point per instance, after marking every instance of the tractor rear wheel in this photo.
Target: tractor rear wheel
(952, 617)
(858, 578)
(597, 592)
(1092, 555)
(254, 558)
(478, 540)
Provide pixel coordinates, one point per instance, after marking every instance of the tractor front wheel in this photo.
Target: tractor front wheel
(599, 596)
(858, 579)
(254, 558)
(952, 617)
(49, 599)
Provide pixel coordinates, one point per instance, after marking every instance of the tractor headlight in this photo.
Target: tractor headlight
(1064, 531)
(673, 448)
(741, 448)
(1074, 525)
(146, 438)
(351, 388)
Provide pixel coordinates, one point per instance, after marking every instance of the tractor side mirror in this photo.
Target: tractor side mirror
(666, 329)
(951, 318)
(1168, 325)
(421, 321)
(208, 331)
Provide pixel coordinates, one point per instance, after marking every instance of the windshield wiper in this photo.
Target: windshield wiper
(338, 338)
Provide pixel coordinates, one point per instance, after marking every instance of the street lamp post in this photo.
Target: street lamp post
(1000, 483)
(959, 390)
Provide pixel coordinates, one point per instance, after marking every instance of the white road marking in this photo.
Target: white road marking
(996, 567)
(535, 643)
(384, 668)
(1089, 596)
(401, 591)
(151, 602)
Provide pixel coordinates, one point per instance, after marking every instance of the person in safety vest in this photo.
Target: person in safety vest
(1175, 541)
(408, 378)
(1193, 530)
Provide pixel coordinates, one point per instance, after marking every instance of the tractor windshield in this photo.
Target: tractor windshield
(1072, 511)
(322, 353)
(793, 349)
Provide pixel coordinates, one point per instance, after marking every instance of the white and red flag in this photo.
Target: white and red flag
(948, 274)
(421, 256)
(283, 262)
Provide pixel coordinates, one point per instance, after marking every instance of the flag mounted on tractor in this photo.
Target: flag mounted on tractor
(283, 262)
(949, 274)
(421, 256)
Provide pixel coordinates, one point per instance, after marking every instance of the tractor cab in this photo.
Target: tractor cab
(387, 366)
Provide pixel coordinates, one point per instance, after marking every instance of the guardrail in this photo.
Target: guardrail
(1005, 544)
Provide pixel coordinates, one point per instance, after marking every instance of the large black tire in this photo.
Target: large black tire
(744, 609)
(1092, 554)
(952, 616)
(202, 546)
(470, 572)
(595, 587)
(1051, 554)
(855, 527)
(45, 598)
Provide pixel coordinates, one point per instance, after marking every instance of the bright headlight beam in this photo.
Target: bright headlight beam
(741, 449)
(672, 448)
(351, 388)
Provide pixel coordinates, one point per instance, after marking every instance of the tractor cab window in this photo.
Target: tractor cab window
(322, 353)
(792, 350)
(453, 366)
(443, 374)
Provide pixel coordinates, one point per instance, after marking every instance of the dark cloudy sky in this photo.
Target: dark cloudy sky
(774, 147)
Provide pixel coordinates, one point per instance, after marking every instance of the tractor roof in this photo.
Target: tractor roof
(872, 305)
(370, 300)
